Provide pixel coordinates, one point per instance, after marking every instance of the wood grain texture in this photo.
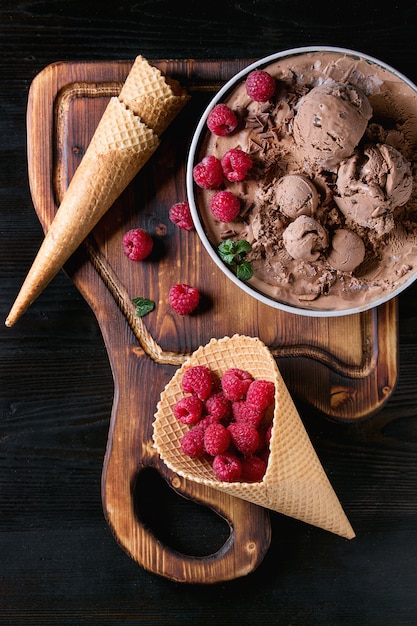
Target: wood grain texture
(60, 563)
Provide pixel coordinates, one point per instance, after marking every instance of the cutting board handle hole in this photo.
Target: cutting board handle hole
(179, 523)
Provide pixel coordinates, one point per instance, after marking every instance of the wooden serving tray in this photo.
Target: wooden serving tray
(345, 367)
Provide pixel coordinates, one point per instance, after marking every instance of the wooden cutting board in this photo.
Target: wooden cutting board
(345, 367)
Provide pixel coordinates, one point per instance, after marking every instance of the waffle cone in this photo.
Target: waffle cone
(155, 98)
(295, 483)
(125, 138)
(120, 146)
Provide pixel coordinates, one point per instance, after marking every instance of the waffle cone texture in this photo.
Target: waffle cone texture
(159, 98)
(125, 138)
(295, 483)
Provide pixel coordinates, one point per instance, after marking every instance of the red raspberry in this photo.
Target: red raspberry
(225, 206)
(235, 383)
(253, 469)
(192, 442)
(236, 164)
(227, 467)
(188, 410)
(216, 439)
(137, 244)
(245, 437)
(221, 120)
(243, 412)
(198, 380)
(208, 174)
(219, 406)
(183, 298)
(207, 421)
(180, 215)
(260, 394)
(260, 86)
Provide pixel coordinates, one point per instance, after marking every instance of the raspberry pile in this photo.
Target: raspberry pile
(235, 165)
(230, 420)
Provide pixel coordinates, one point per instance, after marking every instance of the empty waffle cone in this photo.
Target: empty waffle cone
(120, 146)
(295, 483)
(155, 98)
(125, 138)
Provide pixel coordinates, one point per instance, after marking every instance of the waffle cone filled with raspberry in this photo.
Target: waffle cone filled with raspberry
(126, 137)
(295, 483)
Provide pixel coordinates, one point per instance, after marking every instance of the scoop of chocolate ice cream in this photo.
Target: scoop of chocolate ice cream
(296, 195)
(347, 250)
(330, 121)
(370, 185)
(305, 239)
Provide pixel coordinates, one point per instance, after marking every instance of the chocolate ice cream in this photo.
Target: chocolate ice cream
(370, 185)
(347, 250)
(305, 239)
(296, 195)
(331, 120)
(329, 206)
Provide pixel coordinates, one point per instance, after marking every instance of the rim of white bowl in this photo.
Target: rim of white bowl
(191, 160)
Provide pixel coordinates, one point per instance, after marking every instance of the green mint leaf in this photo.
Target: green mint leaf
(244, 271)
(226, 251)
(233, 253)
(242, 246)
(225, 246)
(228, 258)
(143, 306)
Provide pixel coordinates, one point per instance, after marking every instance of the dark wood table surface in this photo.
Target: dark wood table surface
(59, 562)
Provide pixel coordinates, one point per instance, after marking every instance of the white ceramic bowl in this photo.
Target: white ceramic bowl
(211, 248)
